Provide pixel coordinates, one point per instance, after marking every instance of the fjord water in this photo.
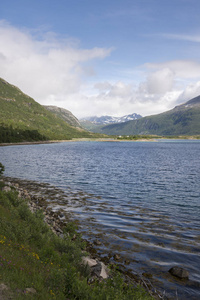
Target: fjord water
(141, 199)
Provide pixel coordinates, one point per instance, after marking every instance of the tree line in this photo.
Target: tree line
(8, 134)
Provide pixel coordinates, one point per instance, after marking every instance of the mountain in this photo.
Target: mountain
(65, 115)
(110, 120)
(95, 123)
(182, 120)
(23, 119)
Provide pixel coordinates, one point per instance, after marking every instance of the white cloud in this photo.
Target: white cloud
(48, 69)
(191, 91)
(184, 37)
(185, 69)
(57, 71)
(159, 82)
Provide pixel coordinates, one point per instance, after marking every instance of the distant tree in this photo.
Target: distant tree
(1, 169)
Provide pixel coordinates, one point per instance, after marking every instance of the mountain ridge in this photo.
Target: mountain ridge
(64, 114)
(109, 119)
(95, 123)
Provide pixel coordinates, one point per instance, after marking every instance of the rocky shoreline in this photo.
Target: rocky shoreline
(40, 195)
(56, 221)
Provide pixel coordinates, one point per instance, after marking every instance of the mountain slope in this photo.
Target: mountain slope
(64, 114)
(22, 118)
(182, 120)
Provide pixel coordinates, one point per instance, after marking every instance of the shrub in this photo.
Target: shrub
(2, 169)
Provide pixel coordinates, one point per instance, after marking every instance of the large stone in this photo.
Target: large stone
(89, 261)
(179, 272)
(104, 272)
(99, 270)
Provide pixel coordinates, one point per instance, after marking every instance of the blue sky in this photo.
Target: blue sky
(111, 57)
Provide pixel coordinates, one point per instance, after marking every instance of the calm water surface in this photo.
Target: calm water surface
(141, 199)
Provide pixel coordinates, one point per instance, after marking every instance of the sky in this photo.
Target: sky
(108, 57)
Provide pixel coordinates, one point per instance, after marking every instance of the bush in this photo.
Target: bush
(2, 169)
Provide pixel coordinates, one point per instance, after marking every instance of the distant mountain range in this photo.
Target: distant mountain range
(23, 119)
(110, 120)
(96, 123)
(182, 120)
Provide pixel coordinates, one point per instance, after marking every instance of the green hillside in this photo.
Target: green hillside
(182, 120)
(93, 127)
(23, 119)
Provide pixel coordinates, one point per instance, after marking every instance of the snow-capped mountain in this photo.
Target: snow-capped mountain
(105, 120)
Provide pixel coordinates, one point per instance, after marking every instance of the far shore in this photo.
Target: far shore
(100, 140)
(58, 141)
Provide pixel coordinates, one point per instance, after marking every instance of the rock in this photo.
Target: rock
(58, 230)
(5, 292)
(96, 270)
(6, 189)
(179, 272)
(3, 287)
(89, 261)
(104, 273)
(20, 195)
(99, 271)
(117, 257)
(30, 291)
(97, 243)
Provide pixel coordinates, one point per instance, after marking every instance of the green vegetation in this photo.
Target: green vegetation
(32, 256)
(92, 126)
(137, 137)
(153, 137)
(20, 113)
(14, 135)
(1, 169)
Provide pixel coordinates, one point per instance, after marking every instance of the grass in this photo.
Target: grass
(32, 256)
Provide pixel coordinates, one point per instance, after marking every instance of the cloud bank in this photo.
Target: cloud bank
(51, 70)
(57, 71)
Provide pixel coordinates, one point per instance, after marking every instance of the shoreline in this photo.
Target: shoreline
(56, 222)
(31, 143)
(78, 186)
(156, 139)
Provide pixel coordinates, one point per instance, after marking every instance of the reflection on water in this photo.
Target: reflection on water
(141, 200)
